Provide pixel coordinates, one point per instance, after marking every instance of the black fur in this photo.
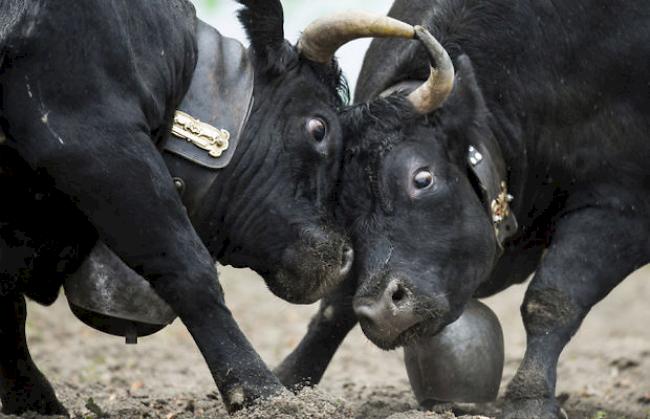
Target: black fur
(87, 90)
(562, 88)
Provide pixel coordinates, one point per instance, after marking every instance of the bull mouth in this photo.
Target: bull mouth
(419, 331)
(310, 271)
(303, 294)
(424, 329)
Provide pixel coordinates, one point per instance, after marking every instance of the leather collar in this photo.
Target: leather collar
(221, 97)
(486, 162)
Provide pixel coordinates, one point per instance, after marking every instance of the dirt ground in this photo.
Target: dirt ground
(604, 373)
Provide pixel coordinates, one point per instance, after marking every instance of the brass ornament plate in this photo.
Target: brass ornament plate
(204, 136)
(500, 206)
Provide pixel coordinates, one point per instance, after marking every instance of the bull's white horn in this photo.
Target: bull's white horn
(435, 91)
(322, 38)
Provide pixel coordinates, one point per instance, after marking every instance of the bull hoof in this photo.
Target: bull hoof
(532, 409)
(238, 397)
(41, 407)
(292, 380)
(34, 395)
(35, 403)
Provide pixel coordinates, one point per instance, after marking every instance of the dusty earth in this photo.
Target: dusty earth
(604, 373)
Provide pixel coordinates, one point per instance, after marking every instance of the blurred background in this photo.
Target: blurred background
(297, 14)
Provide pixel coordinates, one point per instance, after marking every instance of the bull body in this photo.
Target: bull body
(561, 92)
(88, 92)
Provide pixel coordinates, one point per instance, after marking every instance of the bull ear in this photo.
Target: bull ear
(467, 102)
(465, 112)
(263, 21)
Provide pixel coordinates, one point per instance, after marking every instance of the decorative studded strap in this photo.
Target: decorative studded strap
(487, 165)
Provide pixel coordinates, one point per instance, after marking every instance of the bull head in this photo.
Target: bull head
(413, 198)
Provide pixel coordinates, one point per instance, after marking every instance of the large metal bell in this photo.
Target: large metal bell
(463, 363)
(108, 296)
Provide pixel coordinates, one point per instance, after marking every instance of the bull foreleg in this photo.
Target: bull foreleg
(22, 386)
(591, 252)
(327, 330)
(115, 176)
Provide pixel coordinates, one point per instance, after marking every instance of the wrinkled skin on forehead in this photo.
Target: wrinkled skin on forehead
(437, 242)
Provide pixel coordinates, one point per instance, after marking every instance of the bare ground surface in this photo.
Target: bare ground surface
(605, 371)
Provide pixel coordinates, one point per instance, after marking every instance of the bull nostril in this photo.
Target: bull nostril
(398, 295)
(347, 257)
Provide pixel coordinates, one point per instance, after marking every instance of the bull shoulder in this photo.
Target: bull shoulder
(80, 54)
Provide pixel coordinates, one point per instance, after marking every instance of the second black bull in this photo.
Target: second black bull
(88, 96)
(545, 103)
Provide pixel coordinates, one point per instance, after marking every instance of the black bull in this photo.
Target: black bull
(88, 92)
(556, 97)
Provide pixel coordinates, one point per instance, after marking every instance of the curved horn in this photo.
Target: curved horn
(321, 38)
(433, 92)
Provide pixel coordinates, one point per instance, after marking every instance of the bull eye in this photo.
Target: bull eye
(423, 179)
(317, 129)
